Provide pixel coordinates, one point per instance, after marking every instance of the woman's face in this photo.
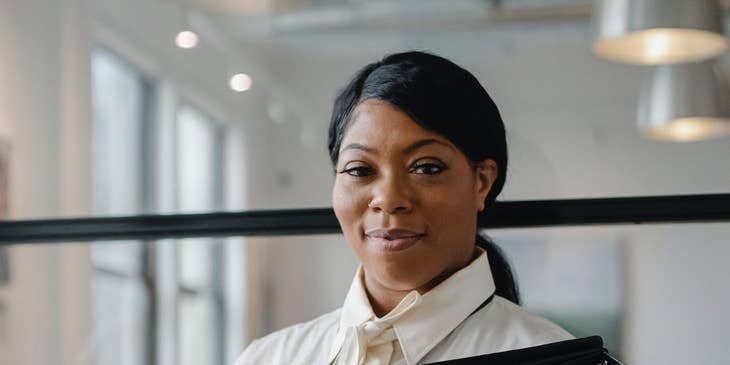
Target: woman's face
(406, 198)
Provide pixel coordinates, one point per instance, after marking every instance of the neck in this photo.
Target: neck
(383, 298)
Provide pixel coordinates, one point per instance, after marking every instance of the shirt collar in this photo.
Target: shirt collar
(355, 311)
(424, 327)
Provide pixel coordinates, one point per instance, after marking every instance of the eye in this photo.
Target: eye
(358, 171)
(428, 168)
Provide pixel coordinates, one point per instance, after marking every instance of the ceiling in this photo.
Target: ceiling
(249, 20)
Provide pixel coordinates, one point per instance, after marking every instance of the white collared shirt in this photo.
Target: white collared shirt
(442, 327)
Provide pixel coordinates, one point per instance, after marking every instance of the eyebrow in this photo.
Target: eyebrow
(357, 146)
(424, 142)
(412, 147)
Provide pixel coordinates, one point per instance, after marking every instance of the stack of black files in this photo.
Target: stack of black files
(582, 351)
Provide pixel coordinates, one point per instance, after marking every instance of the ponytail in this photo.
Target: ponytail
(504, 280)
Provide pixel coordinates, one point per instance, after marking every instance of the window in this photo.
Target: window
(199, 187)
(166, 302)
(121, 298)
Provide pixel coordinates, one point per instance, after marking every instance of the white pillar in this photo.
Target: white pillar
(45, 119)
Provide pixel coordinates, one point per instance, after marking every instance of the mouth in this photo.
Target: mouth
(393, 240)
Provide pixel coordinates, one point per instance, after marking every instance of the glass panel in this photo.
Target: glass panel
(198, 330)
(198, 186)
(196, 262)
(63, 305)
(197, 183)
(196, 161)
(636, 286)
(571, 276)
(641, 287)
(119, 106)
(120, 319)
(121, 299)
(123, 257)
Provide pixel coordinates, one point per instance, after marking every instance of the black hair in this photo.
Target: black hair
(444, 98)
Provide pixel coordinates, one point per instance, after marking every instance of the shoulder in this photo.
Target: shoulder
(525, 328)
(500, 326)
(300, 343)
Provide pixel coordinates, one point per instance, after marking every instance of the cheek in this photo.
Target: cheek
(349, 208)
(452, 211)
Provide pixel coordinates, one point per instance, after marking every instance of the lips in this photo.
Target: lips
(393, 239)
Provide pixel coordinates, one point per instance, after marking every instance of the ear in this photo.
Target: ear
(485, 175)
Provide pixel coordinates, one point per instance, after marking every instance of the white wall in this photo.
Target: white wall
(679, 294)
(44, 116)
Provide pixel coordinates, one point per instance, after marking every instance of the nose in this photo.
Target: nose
(391, 195)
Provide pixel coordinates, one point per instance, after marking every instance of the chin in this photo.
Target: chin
(399, 276)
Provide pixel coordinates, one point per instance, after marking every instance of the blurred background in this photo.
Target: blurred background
(115, 108)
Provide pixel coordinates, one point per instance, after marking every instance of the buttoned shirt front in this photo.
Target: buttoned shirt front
(442, 326)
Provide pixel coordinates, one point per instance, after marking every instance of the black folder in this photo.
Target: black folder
(581, 351)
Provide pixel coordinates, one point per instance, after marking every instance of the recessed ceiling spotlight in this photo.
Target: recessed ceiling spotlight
(241, 82)
(186, 39)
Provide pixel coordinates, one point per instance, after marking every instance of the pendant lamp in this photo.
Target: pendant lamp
(685, 102)
(654, 32)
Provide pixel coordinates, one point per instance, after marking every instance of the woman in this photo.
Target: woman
(419, 150)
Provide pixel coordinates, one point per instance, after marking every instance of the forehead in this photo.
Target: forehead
(378, 124)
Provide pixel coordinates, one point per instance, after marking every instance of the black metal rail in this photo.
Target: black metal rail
(513, 214)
